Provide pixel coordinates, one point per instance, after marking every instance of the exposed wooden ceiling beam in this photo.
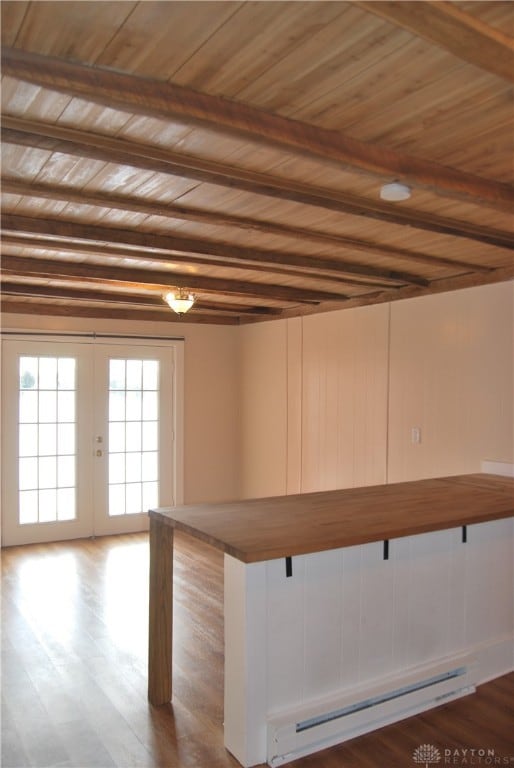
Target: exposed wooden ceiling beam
(112, 250)
(83, 144)
(199, 215)
(40, 307)
(503, 274)
(170, 101)
(12, 275)
(163, 279)
(439, 286)
(146, 241)
(448, 26)
(100, 295)
(46, 291)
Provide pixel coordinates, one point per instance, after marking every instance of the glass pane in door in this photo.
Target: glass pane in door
(46, 439)
(133, 436)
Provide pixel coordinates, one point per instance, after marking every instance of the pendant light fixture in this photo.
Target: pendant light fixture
(180, 300)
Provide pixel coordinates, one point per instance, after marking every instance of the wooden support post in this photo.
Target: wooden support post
(160, 627)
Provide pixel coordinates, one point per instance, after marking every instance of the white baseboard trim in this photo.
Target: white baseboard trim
(498, 468)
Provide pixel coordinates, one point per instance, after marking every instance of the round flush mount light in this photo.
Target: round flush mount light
(395, 192)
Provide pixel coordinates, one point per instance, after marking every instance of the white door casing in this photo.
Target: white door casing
(53, 397)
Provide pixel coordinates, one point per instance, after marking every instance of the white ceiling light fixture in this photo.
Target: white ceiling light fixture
(395, 192)
(180, 300)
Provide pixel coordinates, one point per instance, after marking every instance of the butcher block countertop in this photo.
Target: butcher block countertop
(282, 526)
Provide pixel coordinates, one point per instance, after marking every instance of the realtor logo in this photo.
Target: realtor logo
(426, 755)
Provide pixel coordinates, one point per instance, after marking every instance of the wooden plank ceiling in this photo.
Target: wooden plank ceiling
(238, 149)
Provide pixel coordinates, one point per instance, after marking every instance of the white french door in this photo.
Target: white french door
(88, 437)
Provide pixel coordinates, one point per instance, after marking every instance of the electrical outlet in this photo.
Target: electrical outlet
(415, 435)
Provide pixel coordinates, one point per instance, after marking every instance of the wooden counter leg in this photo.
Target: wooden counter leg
(160, 626)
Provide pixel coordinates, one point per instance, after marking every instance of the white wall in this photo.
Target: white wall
(329, 400)
(344, 398)
(451, 375)
(212, 413)
(211, 395)
(264, 420)
(357, 381)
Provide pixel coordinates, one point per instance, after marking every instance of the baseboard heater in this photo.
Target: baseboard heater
(321, 724)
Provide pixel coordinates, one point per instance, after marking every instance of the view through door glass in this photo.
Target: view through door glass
(87, 438)
(47, 439)
(133, 436)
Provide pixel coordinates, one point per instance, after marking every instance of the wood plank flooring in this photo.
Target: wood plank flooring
(74, 645)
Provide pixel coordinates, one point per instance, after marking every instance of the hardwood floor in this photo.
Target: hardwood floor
(74, 644)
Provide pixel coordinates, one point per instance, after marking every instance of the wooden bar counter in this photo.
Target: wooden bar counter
(337, 523)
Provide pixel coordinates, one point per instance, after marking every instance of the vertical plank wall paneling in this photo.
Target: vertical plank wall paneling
(294, 405)
(212, 463)
(264, 409)
(349, 618)
(285, 613)
(344, 406)
(492, 607)
(343, 391)
(451, 375)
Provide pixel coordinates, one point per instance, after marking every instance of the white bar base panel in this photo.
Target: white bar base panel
(245, 661)
(351, 641)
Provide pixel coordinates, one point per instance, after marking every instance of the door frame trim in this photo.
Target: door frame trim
(86, 334)
(97, 339)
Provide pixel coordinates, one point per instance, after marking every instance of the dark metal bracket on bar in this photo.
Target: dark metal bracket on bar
(464, 534)
(289, 566)
(386, 549)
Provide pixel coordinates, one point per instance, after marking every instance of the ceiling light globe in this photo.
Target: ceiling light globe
(180, 301)
(395, 192)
